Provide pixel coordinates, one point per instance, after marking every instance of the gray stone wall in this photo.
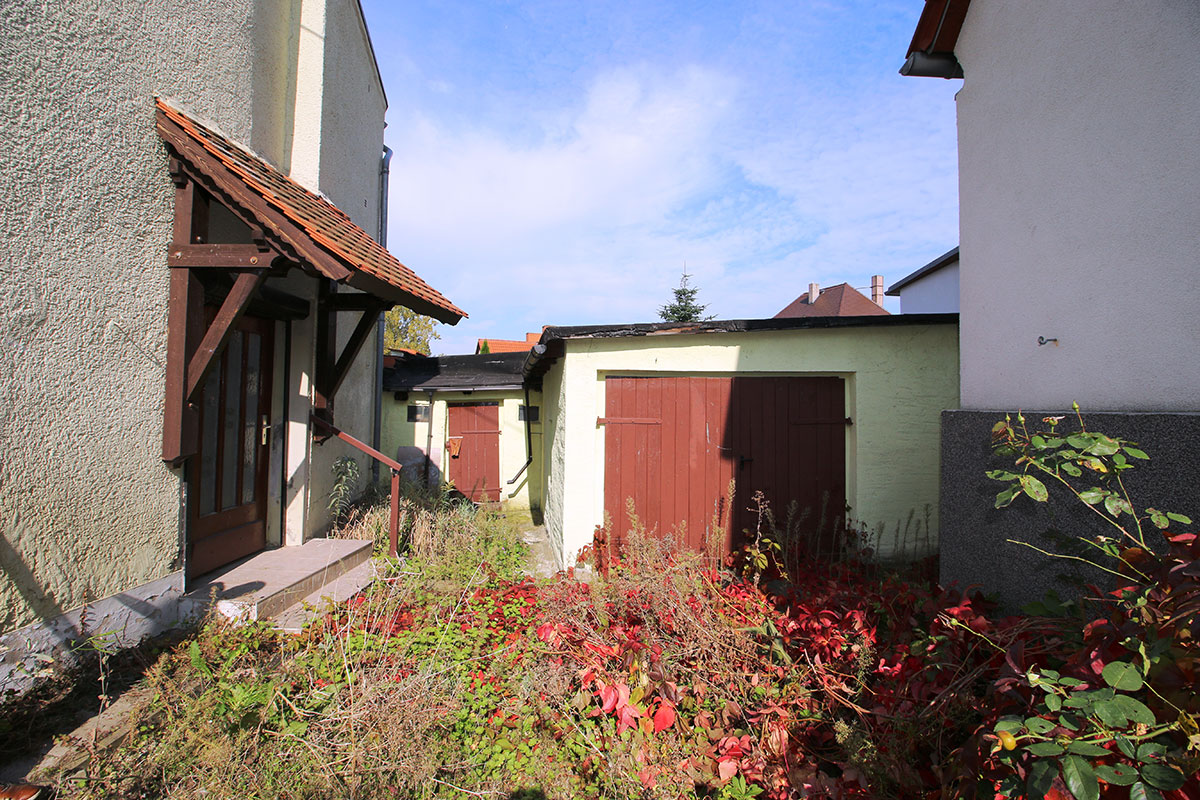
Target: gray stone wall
(974, 544)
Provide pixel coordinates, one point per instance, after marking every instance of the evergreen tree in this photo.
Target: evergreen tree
(405, 329)
(684, 308)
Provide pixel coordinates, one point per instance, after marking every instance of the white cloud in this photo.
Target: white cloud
(593, 221)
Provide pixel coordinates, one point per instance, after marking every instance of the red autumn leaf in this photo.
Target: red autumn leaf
(726, 770)
(608, 698)
(664, 717)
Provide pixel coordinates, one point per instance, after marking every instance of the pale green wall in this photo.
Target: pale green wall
(399, 433)
(898, 381)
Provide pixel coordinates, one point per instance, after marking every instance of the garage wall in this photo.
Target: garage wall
(408, 441)
(898, 380)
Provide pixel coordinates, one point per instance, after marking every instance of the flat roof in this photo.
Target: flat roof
(499, 371)
(551, 346)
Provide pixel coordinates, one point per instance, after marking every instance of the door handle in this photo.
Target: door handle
(265, 428)
(743, 461)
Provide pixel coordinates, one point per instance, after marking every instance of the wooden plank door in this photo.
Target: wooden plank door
(674, 444)
(473, 450)
(789, 434)
(664, 449)
(228, 476)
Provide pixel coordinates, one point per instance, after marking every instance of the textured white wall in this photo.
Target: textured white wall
(340, 110)
(936, 293)
(1079, 162)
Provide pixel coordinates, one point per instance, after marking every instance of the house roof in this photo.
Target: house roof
(509, 345)
(842, 300)
(304, 224)
(931, 51)
(944, 260)
(552, 344)
(456, 373)
(938, 28)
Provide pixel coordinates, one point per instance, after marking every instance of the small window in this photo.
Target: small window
(418, 413)
(529, 413)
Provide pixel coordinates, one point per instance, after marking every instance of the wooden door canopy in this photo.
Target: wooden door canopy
(304, 226)
(288, 227)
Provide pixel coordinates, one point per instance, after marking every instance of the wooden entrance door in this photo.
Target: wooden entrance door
(228, 476)
(473, 450)
(674, 444)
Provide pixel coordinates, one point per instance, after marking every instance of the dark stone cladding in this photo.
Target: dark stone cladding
(974, 534)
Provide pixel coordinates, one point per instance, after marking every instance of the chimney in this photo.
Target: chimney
(877, 290)
(814, 291)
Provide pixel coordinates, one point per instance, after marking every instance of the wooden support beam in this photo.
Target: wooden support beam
(224, 256)
(325, 344)
(203, 360)
(185, 320)
(366, 326)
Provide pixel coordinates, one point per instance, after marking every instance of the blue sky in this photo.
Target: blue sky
(558, 163)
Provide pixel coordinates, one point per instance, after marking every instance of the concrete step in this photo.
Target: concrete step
(341, 589)
(267, 583)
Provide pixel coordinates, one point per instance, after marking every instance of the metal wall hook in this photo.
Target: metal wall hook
(1043, 340)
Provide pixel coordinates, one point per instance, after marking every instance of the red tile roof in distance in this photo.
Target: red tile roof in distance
(365, 263)
(508, 345)
(842, 300)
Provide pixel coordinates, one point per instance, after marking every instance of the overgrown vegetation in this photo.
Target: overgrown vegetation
(679, 675)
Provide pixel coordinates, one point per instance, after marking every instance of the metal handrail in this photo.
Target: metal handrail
(395, 466)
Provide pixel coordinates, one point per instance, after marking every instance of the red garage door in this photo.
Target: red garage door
(473, 447)
(673, 444)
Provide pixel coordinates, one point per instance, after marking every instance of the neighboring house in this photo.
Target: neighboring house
(842, 300)
(507, 345)
(828, 412)
(466, 421)
(179, 296)
(1079, 163)
(933, 289)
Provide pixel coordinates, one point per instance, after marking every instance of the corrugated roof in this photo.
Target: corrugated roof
(842, 300)
(325, 232)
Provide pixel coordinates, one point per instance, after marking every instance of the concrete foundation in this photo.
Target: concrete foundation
(112, 623)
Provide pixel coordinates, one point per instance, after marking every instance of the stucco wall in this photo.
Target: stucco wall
(936, 293)
(898, 381)
(86, 213)
(1078, 165)
(403, 440)
(87, 210)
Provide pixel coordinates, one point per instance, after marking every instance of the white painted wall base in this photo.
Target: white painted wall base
(116, 622)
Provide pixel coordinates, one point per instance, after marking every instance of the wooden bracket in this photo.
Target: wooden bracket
(332, 367)
(218, 333)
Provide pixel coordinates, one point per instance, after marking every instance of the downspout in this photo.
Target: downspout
(528, 441)
(377, 430)
(429, 441)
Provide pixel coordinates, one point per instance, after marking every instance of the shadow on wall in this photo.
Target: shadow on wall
(418, 468)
